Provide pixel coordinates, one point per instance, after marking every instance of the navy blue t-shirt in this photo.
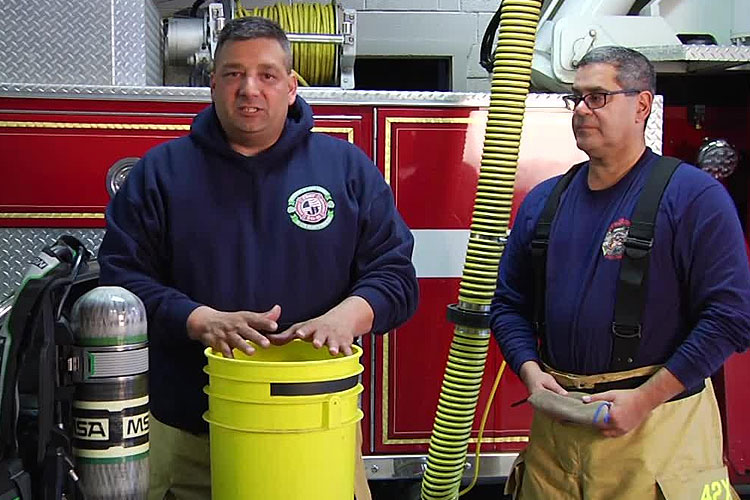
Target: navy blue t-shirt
(697, 308)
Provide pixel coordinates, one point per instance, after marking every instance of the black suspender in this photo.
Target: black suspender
(631, 285)
(539, 245)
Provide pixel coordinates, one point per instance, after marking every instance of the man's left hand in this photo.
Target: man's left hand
(323, 330)
(337, 328)
(629, 409)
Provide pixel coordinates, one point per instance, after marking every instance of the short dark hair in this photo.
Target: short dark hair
(248, 28)
(634, 70)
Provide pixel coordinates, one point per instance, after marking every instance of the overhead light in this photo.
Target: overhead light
(718, 158)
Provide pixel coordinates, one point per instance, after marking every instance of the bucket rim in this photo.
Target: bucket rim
(209, 353)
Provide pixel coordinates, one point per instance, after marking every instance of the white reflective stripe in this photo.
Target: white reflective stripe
(439, 253)
(117, 405)
(109, 364)
(112, 452)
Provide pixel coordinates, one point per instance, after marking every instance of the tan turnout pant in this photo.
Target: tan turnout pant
(676, 454)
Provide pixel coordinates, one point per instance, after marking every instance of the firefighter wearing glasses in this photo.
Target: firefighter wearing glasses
(625, 279)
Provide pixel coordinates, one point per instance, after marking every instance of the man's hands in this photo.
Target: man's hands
(224, 331)
(535, 379)
(630, 408)
(337, 328)
(327, 329)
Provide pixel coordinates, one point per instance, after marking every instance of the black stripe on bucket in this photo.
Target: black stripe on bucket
(312, 388)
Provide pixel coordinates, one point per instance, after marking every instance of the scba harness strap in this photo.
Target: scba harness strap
(36, 394)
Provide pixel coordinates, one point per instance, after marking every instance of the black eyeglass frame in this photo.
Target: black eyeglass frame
(573, 100)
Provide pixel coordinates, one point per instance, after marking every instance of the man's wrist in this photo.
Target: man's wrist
(648, 398)
(193, 319)
(356, 311)
(528, 370)
(660, 388)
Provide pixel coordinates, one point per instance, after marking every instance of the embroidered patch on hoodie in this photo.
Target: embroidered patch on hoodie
(311, 208)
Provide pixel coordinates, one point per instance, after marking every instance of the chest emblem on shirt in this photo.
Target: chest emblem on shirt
(311, 208)
(614, 241)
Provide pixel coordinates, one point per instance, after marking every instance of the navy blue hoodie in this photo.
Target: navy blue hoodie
(697, 309)
(303, 224)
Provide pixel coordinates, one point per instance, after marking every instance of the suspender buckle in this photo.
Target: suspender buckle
(626, 331)
(637, 248)
(639, 243)
(539, 247)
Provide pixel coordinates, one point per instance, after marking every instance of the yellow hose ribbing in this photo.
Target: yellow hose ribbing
(314, 62)
(468, 352)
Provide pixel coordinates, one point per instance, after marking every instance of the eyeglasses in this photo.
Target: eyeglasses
(593, 100)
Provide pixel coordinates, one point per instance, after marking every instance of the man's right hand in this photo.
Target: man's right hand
(224, 331)
(536, 379)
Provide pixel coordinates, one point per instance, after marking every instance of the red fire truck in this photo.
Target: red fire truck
(66, 147)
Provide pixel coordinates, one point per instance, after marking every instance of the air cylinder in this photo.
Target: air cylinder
(110, 410)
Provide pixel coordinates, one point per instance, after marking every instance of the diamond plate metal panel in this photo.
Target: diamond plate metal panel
(52, 41)
(655, 125)
(163, 94)
(311, 95)
(19, 245)
(154, 47)
(80, 43)
(711, 53)
(129, 51)
(203, 94)
(134, 41)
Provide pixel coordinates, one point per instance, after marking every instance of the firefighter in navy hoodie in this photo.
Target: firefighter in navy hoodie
(648, 361)
(251, 225)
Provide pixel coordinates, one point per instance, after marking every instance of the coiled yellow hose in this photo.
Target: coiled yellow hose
(492, 207)
(314, 62)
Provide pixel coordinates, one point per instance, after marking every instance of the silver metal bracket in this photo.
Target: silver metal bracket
(214, 24)
(348, 49)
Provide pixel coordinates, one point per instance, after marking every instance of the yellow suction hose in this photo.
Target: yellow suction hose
(314, 62)
(492, 207)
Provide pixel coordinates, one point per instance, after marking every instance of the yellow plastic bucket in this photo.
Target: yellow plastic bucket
(282, 423)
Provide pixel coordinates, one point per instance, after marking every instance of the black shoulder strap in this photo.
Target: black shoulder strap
(539, 245)
(30, 355)
(631, 286)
